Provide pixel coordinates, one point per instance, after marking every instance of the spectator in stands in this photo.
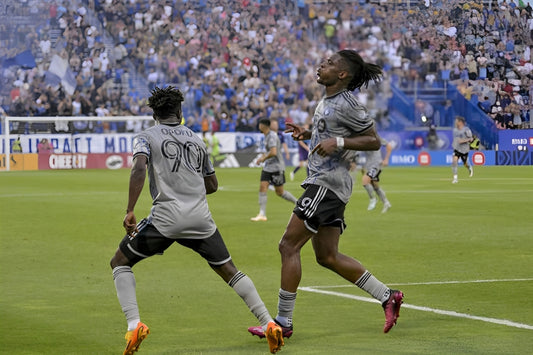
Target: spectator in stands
(44, 147)
(214, 42)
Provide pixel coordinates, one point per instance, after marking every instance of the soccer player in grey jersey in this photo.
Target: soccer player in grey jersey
(374, 163)
(273, 170)
(341, 126)
(462, 136)
(180, 175)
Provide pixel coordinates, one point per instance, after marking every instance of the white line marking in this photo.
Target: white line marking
(451, 191)
(58, 194)
(437, 283)
(425, 309)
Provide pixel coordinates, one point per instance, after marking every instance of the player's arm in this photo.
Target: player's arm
(271, 153)
(366, 140)
(469, 138)
(299, 133)
(304, 146)
(286, 150)
(137, 178)
(388, 152)
(210, 183)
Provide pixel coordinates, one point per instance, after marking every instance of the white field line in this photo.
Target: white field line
(424, 309)
(462, 192)
(436, 283)
(57, 194)
(236, 189)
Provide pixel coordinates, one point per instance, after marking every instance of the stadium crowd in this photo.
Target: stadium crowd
(239, 60)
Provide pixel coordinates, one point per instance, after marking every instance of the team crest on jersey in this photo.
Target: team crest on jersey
(321, 125)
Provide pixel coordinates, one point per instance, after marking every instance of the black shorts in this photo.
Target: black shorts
(149, 242)
(276, 179)
(318, 207)
(373, 174)
(462, 156)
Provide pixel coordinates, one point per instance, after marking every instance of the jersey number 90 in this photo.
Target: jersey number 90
(190, 154)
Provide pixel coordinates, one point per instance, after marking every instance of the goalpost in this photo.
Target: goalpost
(62, 126)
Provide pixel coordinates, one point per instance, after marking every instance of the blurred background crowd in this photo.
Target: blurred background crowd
(239, 60)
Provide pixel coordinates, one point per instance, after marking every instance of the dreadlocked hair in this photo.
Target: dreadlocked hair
(165, 101)
(362, 72)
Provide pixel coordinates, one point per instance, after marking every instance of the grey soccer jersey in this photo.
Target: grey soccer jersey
(339, 115)
(374, 157)
(460, 134)
(273, 164)
(177, 164)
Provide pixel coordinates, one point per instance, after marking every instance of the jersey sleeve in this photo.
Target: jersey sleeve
(270, 142)
(468, 133)
(355, 118)
(141, 146)
(208, 165)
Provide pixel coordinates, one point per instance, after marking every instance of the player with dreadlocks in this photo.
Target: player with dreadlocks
(341, 127)
(180, 175)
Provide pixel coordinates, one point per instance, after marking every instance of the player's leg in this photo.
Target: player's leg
(455, 159)
(278, 180)
(367, 185)
(146, 243)
(464, 158)
(295, 236)
(325, 245)
(263, 189)
(381, 193)
(215, 252)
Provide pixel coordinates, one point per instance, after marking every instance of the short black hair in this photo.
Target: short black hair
(165, 102)
(460, 118)
(265, 121)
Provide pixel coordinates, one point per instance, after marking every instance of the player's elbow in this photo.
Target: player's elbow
(211, 184)
(374, 144)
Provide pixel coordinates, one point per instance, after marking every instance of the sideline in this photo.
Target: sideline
(422, 308)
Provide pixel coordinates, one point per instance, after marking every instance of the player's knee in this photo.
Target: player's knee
(326, 260)
(119, 259)
(285, 248)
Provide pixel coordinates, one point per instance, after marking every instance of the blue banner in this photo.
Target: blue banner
(515, 139)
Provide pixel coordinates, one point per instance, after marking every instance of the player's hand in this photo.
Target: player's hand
(297, 131)
(130, 224)
(385, 163)
(325, 147)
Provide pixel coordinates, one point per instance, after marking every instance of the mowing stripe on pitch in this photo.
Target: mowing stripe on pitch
(424, 309)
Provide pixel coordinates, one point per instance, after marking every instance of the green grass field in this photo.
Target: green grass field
(462, 254)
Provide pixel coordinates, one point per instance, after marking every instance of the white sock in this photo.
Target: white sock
(245, 288)
(373, 286)
(262, 203)
(125, 286)
(288, 196)
(286, 302)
